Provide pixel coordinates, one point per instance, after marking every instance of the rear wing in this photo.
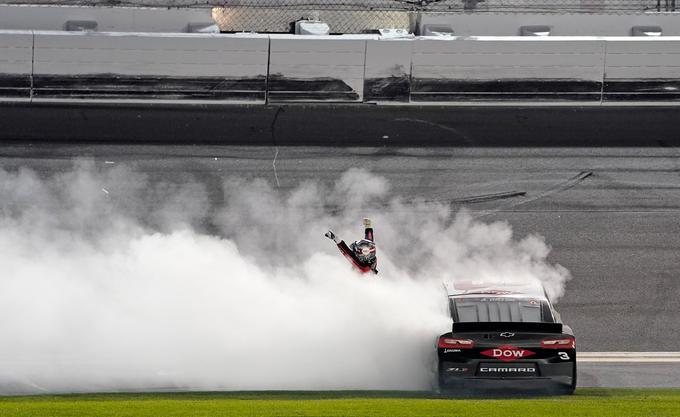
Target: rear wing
(506, 326)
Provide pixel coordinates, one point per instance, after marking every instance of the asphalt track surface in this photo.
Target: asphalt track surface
(357, 124)
(611, 215)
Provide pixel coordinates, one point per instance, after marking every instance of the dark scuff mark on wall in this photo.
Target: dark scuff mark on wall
(282, 88)
(500, 97)
(547, 85)
(642, 90)
(15, 86)
(442, 90)
(116, 86)
(393, 88)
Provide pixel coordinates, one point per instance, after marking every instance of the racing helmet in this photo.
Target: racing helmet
(364, 249)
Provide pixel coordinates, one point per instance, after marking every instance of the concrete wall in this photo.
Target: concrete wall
(162, 67)
(507, 69)
(251, 68)
(316, 68)
(16, 55)
(642, 71)
(387, 76)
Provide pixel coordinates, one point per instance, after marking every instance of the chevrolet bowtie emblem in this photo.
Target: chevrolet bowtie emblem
(507, 334)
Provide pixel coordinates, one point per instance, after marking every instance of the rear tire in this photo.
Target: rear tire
(569, 389)
(452, 388)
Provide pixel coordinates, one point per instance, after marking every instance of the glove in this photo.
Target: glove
(367, 223)
(329, 234)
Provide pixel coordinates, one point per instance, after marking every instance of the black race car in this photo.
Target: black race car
(512, 338)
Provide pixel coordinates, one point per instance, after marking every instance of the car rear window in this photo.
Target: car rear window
(499, 309)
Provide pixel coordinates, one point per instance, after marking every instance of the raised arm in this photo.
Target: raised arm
(348, 253)
(368, 230)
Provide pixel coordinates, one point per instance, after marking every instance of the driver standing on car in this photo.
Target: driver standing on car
(360, 253)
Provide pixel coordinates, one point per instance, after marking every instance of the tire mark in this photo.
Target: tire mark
(563, 186)
(457, 132)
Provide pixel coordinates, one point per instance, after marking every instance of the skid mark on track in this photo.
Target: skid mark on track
(563, 186)
(276, 175)
(490, 197)
(276, 146)
(457, 132)
(674, 158)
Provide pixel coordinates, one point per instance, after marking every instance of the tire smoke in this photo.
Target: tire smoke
(111, 281)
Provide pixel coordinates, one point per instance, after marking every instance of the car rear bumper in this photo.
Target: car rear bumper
(537, 371)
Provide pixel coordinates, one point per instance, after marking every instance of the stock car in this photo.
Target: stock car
(506, 337)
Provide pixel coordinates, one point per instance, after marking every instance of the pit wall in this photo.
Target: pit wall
(44, 66)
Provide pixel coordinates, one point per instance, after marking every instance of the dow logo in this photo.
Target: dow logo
(507, 353)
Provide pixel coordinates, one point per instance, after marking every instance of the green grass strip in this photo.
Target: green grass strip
(586, 402)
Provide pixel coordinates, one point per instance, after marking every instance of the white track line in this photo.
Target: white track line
(628, 357)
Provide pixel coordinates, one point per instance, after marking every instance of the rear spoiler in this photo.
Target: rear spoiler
(505, 326)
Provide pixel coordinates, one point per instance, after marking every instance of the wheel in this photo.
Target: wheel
(574, 377)
(450, 388)
(569, 389)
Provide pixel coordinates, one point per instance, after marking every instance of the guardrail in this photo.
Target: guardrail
(250, 68)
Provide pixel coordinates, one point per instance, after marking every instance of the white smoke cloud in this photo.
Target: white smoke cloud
(112, 281)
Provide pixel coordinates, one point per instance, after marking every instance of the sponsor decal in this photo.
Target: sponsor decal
(451, 350)
(456, 369)
(494, 292)
(507, 334)
(507, 353)
(528, 369)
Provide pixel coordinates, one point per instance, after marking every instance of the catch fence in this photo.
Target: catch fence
(357, 16)
(352, 16)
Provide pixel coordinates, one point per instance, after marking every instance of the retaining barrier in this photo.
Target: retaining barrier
(16, 50)
(497, 69)
(316, 68)
(130, 66)
(258, 68)
(642, 70)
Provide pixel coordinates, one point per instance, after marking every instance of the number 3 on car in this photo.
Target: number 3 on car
(502, 336)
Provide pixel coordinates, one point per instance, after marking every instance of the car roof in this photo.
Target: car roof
(518, 290)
